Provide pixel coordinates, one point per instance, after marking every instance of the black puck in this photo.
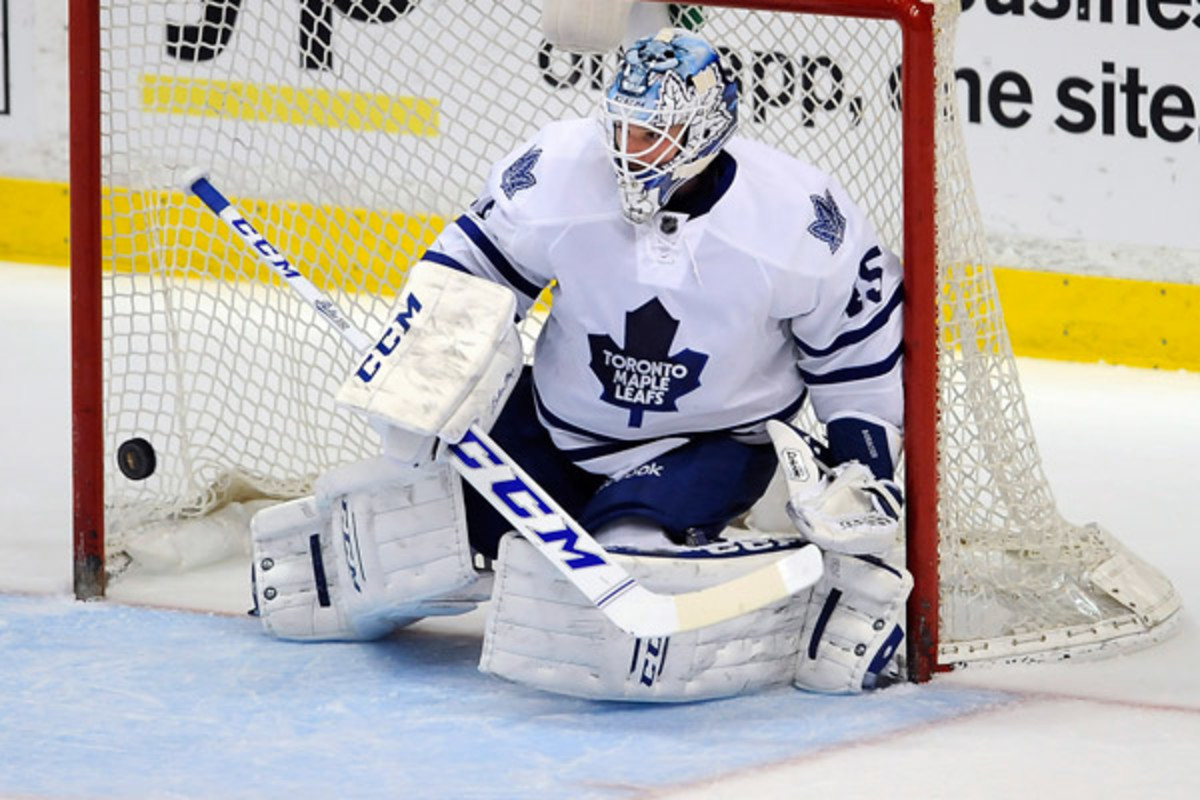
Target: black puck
(136, 459)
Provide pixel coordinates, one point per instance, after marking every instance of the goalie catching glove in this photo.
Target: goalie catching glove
(845, 509)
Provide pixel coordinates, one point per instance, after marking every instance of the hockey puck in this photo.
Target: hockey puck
(136, 459)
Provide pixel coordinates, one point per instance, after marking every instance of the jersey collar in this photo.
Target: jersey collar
(708, 187)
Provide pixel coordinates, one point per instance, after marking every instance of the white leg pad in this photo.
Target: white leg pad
(854, 624)
(377, 547)
(542, 632)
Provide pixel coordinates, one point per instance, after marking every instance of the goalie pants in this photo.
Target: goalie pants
(692, 492)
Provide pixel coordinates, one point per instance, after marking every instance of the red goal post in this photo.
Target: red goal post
(151, 284)
(87, 362)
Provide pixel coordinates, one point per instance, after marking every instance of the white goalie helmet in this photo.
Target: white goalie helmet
(668, 112)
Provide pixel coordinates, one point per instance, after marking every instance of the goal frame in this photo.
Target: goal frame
(918, 94)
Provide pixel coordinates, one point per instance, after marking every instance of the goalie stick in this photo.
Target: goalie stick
(532, 512)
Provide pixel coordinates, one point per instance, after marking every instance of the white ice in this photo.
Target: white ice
(1121, 447)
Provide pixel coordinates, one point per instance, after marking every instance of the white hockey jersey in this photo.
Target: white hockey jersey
(686, 324)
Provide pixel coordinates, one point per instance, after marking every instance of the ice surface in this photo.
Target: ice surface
(101, 700)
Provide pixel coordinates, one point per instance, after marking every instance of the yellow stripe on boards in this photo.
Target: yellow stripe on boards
(345, 249)
(309, 106)
(1117, 320)
(35, 222)
(351, 250)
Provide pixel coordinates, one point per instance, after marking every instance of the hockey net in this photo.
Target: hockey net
(351, 131)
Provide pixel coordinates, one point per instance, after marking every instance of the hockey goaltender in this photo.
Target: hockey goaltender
(704, 287)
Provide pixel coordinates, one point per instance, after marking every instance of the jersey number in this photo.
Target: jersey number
(869, 283)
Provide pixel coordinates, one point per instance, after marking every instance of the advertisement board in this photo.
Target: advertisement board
(1082, 117)
(1083, 126)
(33, 90)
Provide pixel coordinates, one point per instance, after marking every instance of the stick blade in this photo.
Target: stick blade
(644, 614)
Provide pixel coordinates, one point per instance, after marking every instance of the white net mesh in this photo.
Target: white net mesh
(351, 131)
(1017, 580)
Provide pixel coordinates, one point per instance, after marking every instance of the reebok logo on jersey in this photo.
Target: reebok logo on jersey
(830, 225)
(644, 375)
(650, 470)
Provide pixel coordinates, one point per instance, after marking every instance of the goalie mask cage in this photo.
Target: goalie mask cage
(351, 131)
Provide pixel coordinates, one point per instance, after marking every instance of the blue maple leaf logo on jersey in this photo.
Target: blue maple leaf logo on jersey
(519, 174)
(644, 375)
(830, 226)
